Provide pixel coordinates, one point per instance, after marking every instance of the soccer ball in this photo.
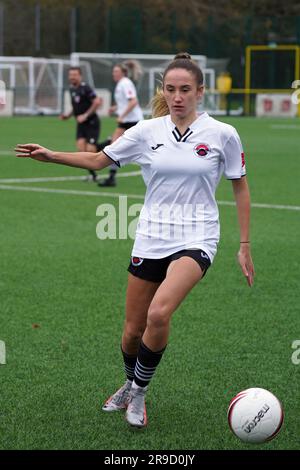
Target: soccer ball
(255, 415)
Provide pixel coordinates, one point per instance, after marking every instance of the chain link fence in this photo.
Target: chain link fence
(55, 29)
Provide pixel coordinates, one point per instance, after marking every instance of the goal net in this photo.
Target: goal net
(152, 67)
(37, 83)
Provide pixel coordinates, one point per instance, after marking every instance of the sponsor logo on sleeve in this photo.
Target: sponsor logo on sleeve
(243, 159)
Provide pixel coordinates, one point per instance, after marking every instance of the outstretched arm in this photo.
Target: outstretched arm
(242, 198)
(86, 160)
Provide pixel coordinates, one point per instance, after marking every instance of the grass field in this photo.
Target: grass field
(62, 293)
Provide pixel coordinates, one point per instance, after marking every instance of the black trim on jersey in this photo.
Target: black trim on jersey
(232, 179)
(181, 137)
(178, 139)
(116, 162)
(186, 137)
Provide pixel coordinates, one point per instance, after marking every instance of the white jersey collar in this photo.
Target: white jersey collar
(183, 137)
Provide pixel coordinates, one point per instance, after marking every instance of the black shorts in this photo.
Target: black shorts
(89, 130)
(126, 125)
(155, 270)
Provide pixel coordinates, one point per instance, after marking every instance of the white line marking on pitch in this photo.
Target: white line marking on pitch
(61, 178)
(68, 191)
(291, 127)
(133, 196)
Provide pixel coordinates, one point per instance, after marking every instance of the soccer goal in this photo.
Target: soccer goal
(37, 84)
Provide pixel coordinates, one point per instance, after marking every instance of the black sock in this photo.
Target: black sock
(93, 173)
(112, 173)
(146, 364)
(129, 364)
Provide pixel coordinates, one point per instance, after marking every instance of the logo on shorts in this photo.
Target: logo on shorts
(201, 150)
(135, 261)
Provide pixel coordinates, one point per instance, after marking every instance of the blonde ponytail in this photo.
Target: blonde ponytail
(132, 69)
(159, 105)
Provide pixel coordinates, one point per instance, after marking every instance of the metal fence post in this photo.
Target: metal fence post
(1, 29)
(37, 40)
(73, 29)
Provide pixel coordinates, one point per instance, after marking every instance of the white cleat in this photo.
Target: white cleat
(118, 401)
(136, 414)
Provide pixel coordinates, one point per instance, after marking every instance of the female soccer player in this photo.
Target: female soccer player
(182, 155)
(127, 106)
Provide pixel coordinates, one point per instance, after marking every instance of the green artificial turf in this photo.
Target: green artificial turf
(62, 295)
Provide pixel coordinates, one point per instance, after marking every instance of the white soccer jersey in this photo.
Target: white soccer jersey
(124, 91)
(181, 173)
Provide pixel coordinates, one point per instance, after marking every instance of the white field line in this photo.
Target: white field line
(68, 191)
(61, 178)
(131, 196)
(263, 206)
(292, 127)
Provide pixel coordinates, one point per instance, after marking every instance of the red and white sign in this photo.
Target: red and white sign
(275, 105)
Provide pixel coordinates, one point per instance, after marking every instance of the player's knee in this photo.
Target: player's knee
(81, 148)
(158, 315)
(91, 148)
(133, 332)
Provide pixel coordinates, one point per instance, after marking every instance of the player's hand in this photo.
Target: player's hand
(119, 120)
(35, 151)
(81, 118)
(246, 263)
(63, 117)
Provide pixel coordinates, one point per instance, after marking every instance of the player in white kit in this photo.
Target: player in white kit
(182, 156)
(127, 106)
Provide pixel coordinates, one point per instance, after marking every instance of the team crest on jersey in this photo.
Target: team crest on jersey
(135, 261)
(201, 150)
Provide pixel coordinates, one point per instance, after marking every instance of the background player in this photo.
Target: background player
(127, 106)
(85, 102)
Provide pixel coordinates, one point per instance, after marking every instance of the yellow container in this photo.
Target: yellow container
(224, 83)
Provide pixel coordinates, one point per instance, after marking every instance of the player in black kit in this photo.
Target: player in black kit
(85, 102)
